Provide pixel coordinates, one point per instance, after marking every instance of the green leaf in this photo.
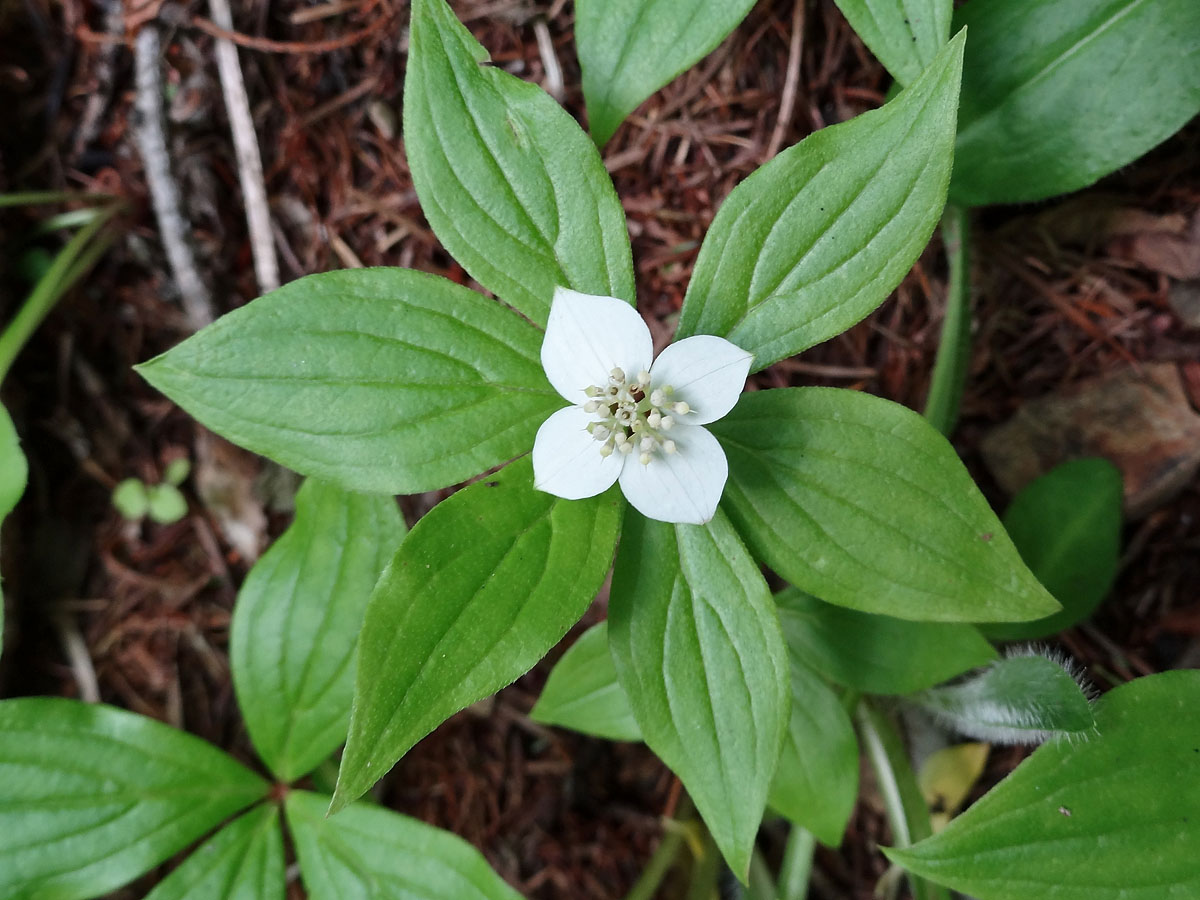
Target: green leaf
(92, 796)
(14, 471)
(479, 591)
(818, 237)
(368, 853)
(1067, 526)
(244, 861)
(1057, 93)
(385, 381)
(165, 504)
(510, 183)
(1109, 818)
(583, 694)
(862, 503)
(1023, 699)
(628, 49)
(873, 653)
(906, 35)
(297, 619)
(131, 499)
(817, 779)
(699, 653)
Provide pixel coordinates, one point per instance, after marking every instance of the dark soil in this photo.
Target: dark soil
(148, 607)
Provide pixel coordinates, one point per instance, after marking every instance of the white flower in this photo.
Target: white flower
(632, 421)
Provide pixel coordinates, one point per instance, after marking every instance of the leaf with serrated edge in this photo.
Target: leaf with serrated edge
(583, 694)
(873, 653)
(92, 796)
(818, 237)
(1067, 527)
(369, 853)
(1024, 699)
(386, 381)
(1058, 93)
(510, 183)
(484, 585)
(860, 502)
(906, 35)
(243, 861)
(1112, 817)
(628, 49)
(816, 781)
(13, 472)
(297, 619)
(698, 651)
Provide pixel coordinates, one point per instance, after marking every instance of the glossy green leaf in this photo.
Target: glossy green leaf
(862, 503)
(1023, 699)
(628, 49)
(386, 381)
(873, 653)
(818, 237)
(583, 694)
(296, 622)
(698, 651)
(816, 782)
(1058, 93)
(369, 853)
(244, 861)
(1108, 818)
(906, 35)
(14, 470)
(1067, 526)
(480, 590)
(92, 796)
(510, 183)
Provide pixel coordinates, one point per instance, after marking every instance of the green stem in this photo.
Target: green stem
(902, 799)
(39, 198)
(954, 349)
(71, 264)
(797, 864)
(706, 870)
(664, 855)
(760, 885)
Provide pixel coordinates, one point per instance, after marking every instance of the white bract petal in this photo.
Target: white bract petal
(682, 487)
(587, 337)
(707, 372)
(566, 457)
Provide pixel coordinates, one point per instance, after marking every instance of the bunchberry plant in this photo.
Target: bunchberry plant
(662, 471)
(92, 797)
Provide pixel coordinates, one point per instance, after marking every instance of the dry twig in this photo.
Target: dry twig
(249, 159)
(164, 191)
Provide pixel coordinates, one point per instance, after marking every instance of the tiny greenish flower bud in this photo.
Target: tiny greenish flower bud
(644, 459)
(606, 450)
(617, 375)
(669, 446)
(654, 419)
(592, 406)
(600, 432)
(647, 444)
(643, 378)
(626, 447)
(657, 397)
(682, 408)
(666, 423)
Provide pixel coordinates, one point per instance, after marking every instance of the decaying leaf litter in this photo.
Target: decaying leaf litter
(1067, 291)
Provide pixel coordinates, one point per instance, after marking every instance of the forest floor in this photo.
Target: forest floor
(138, 614)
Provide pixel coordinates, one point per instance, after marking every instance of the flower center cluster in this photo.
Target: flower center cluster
(634, 416)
